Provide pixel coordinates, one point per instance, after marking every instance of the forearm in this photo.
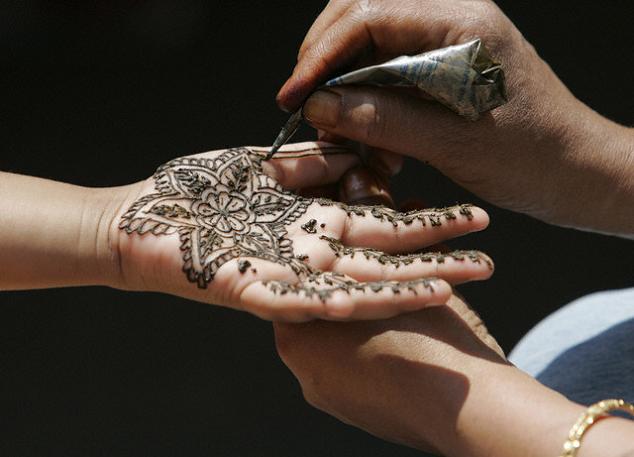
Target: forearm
(54, 234)
(595, 188)
(509, 413)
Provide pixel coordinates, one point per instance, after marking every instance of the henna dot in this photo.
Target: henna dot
(243, 265)
(254, 271)
(309, 226)
(322, 225)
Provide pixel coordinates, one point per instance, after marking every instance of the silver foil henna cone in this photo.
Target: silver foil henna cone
(462, 77)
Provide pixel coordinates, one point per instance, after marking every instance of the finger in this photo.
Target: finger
(323, 57)
(365, 264)
(327, 191)
(308, 164)
(322, 135)
(331, 13)
(385, 119)
(363, 186)
(387, 31)
(381, 228)
(333, 297)
(385, 162)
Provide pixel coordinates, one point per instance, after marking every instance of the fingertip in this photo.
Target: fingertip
(490, 265)
(293, 93)
(480, 219)
(386, 162)
(282, 100)
(440, 292)
(361, 186)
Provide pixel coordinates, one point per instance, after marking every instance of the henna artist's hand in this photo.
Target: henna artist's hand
(224, 219)
(544, 153)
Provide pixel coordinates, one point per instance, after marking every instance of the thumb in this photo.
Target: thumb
(391, 120)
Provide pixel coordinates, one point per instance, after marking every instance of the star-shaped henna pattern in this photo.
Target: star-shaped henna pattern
(225, 207)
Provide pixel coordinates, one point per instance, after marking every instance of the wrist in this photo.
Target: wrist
(101, 251)
(507, 412)
(593, 180)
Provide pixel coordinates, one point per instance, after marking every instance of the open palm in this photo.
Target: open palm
(225, 220)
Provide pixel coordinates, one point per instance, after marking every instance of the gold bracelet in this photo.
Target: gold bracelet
(588, 418)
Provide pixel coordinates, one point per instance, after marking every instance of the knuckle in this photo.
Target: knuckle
(262, 310)
(338, 307)
(486, 19)
(283, 341)
(311, 398)
(310, 391)
(367, 117)
(366, 10)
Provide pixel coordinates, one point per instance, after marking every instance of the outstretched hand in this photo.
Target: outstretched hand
(225, 220)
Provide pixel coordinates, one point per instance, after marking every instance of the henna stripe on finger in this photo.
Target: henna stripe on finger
(325, 284)
(407, 259)
(433, 216)
(302, 153)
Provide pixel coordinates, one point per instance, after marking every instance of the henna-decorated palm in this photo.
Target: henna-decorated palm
(224, 219)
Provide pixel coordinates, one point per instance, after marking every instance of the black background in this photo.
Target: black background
(99, 93)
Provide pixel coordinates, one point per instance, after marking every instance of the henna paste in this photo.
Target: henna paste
(335, 282)
(399, 260)
(243, 265)
(231, 209)
(225, 207)
(433, 216)
(310, 226)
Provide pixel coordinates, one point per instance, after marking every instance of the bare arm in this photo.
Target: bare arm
(54, 234)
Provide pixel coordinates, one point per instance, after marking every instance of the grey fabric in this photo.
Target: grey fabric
(585, 350)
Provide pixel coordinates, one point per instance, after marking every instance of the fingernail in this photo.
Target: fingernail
(287, 97)
(322, 108)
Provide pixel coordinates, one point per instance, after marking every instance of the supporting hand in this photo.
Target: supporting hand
(437, 381)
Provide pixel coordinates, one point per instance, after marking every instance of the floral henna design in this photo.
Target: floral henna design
(225, 207)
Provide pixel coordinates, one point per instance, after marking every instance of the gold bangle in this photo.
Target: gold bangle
(588, 418)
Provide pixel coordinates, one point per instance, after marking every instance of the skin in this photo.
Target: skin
(437, 381)
(544, 153)
(56, 234)
(430, 380)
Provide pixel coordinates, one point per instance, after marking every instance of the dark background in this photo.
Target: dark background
(99, 93)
